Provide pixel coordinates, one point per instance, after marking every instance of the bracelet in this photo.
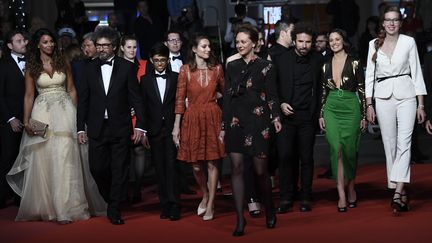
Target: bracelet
(420, 107)
(370, 105)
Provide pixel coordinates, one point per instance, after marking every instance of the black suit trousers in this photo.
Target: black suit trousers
(109, 158)
(296, 137)
(10, 144)
(164, 154)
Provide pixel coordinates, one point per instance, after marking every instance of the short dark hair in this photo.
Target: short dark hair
(159, 49)
(281, 25)
(303, 28)
(11, 34)
(172, 31)
(108, 33)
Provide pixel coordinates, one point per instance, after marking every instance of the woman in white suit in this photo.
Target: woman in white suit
(394, 79)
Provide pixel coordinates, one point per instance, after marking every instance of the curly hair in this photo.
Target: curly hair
(34, 63)
(379, 41)
(211, 61)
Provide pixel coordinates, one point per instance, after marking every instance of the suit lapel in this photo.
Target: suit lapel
(167, 87)
(17, 68)
(114, 72)
(156, 87)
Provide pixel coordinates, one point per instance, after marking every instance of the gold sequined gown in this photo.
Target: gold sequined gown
(52, 174)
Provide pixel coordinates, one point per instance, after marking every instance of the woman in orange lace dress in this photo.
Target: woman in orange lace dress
(199, 81)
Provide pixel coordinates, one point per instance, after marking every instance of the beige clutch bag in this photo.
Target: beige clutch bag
(39, 128)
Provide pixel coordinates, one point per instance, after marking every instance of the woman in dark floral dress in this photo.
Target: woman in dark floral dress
(249, 110)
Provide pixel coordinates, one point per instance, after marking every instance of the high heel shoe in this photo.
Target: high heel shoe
(398, 205)
(201, 210)
(239, 231)
(254, 208)
(208, 217)
(352, 204)
(342, 209)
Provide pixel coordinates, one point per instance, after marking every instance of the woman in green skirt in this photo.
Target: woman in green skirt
(343, 115)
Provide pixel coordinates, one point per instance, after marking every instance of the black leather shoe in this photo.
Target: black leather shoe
(165, 213)
(305, 206)
(271, 220)
(116, 221)
(285, 207)
(175, 212)
(188, 191)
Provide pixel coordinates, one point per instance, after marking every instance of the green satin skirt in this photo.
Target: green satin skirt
(342, 123)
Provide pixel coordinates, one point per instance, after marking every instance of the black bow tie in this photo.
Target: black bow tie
(176, 57)
(21, 59)
(164, 76)
(102, 62)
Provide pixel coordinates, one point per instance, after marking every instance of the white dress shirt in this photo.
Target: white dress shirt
(405, 60)
(175, 64)
(161, 82)
(106, 77)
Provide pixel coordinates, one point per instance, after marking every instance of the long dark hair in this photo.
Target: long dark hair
(211, 61)
(344, 35)
(382, 34)
(34, 63)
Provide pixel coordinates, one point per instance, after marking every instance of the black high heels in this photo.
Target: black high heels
(398, 205)
(342, 209)
(254, 207)
(239, 230)
(352, 204)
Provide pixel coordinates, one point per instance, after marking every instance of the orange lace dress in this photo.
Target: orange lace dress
(201, 120)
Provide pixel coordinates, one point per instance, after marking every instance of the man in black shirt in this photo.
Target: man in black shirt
(299, 72)
(283, 30)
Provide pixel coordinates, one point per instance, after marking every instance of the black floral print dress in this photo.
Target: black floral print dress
(250, 106)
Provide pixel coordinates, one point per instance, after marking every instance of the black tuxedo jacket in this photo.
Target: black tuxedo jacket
(123, 93)
(284, 64)
(12, 89)
(156, 111)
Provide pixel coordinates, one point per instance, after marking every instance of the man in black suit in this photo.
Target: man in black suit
(158, 88)
(12, 87)
(108, 90)
(299, 93)
(174, 42)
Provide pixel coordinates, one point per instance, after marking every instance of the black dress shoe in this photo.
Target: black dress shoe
(271, 220)
(175, 212)
(165, 213)
(285, 207)
(188, 191)
(116, 221)
(305, 206)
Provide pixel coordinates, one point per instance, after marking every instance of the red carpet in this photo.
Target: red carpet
(372, 221)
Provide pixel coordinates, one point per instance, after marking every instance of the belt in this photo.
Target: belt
(393, 76)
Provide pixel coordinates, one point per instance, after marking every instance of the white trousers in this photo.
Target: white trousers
(396, 120)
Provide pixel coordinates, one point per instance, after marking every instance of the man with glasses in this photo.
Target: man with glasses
(159, 88)
(109, 88)
(174, 43)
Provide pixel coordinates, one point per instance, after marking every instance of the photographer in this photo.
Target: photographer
(234, 23)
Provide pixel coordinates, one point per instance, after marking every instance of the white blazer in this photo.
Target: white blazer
(405, 60)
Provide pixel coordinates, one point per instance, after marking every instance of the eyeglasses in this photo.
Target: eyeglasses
(161, 61)
(393, 21)
(174, 41)
(104, 45)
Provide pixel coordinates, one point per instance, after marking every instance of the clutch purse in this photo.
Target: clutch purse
(39, 128)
